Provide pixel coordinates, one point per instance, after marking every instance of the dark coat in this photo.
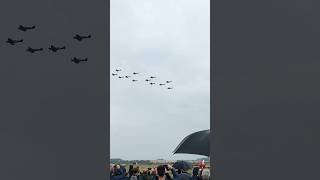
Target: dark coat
(119, 177)
(183, 176)
(195, 178)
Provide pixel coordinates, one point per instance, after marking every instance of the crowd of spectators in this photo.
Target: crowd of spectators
(161, 172)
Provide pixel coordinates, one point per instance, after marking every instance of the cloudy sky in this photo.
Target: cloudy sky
(169, 39)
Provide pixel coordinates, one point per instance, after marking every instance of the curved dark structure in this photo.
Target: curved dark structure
(195, 143)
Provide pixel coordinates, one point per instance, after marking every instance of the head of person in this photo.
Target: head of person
(205, 174)
(195, 171)
(111, 168)
(136, 170)
(161, 170)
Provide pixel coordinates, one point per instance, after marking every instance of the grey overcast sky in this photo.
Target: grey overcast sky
(169, 39)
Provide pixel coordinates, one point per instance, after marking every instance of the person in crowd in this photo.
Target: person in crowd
(195, 173)
(205, 175)
(124, 170)
(135, 174)
(182, 176)
(160, 173)
(118, 173)
(145, 174)
(111, 169)
(130, 170)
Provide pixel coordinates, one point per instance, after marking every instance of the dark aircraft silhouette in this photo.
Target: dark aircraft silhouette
(34, 50)
(118, 70)
(79, 38)
(13, 42)
(127, 76)
(77, 60)
(152, 77)
(120, 77)
(161, 84)
(114, 74)
(135, 73)
(134, 80)
(168, 81)
(170, 88)
(25, 28)
(147, 80)
(55, 49)
(152, 83)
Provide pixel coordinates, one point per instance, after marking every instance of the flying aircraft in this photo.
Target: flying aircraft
(147, 80)
(168, 81)
(152, 77)
(135, 73)
(120, 77)
(25, 28)
(170, 88)
(78, 60)
(114, 74)
(134, 80)
(13, 42)
(118, 70)
(127, 76)
(161, 84)
(34, 50)
(80, 38)
(55, 49)
(152, 83)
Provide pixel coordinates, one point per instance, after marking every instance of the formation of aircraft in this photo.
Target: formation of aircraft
(150, 79)
(52, 48)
